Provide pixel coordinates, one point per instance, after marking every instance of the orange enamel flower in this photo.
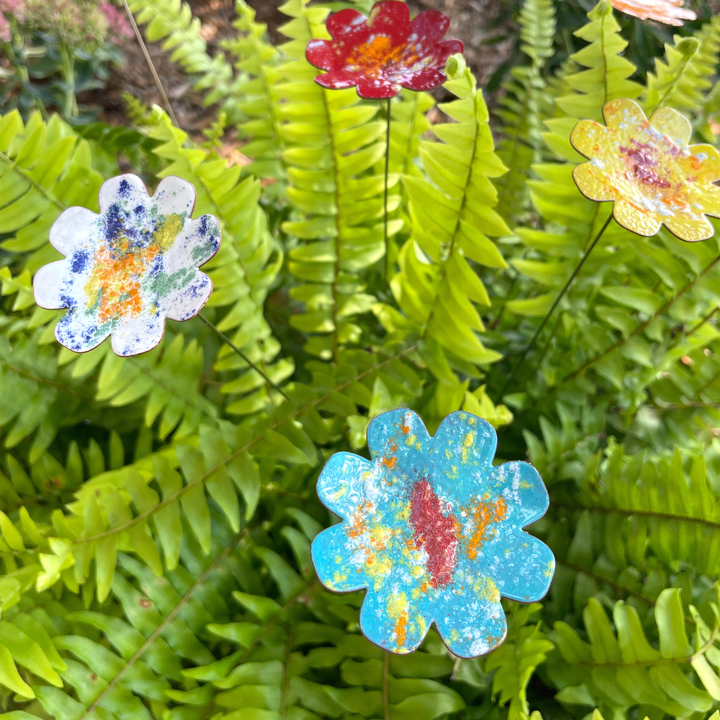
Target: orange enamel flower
(648, 169)
(669, 12)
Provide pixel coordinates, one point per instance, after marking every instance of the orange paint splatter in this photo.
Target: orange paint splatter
(401, 630)
(115, 282)
(486, 514)
(357, 525)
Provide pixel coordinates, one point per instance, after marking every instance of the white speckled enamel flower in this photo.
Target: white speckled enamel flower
(129, 268)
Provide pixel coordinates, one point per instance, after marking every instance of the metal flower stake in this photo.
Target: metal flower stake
(380, 55)
(433, 531)
(131, 267)
(651, 174)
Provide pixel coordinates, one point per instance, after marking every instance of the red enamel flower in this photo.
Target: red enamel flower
(384, 52)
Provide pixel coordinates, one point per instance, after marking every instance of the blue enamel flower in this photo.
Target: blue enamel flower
(434, 532)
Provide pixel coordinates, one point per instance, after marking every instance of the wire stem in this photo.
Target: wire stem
(253, 365)
(388, 259)
(149, 61)
(575, 273)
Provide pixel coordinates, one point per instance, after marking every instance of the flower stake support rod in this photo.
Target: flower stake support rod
(250, 363)
(150, 63)
(547, 317)
(379, 55)
(388, 259)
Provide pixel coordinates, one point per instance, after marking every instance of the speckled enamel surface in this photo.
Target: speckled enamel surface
(670, 12)
(384, 52)
(434, 532)
(129, 268)
(649, 170)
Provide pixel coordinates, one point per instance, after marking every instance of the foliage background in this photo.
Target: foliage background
(156, 512)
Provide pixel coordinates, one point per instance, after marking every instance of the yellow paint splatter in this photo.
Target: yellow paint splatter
(467, 444)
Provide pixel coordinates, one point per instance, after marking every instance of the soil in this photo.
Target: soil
(472, 21)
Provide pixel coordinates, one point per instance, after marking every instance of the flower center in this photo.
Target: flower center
(378, 57)
(434, 531)
(643, 163)
(114, 287)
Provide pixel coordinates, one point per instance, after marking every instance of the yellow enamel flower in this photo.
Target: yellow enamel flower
(649, 170)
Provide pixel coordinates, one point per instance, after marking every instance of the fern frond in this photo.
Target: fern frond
(338, 196)
(517, 659)
(620, 668)
(676, 82)
(243, 270)
(258, 99)
(523, 105)
(451, 219)
(172, 22)
(607, 73)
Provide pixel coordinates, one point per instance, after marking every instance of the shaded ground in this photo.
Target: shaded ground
(472, 21)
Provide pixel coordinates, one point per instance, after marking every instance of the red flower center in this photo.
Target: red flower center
(433, 531)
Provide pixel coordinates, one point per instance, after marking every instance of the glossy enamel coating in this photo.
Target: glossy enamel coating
(669, 12)
(129, 268)
(648, 169)
(385, 52)
(434, 532)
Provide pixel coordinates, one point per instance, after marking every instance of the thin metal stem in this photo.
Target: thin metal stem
(253, 365)
(388, 259)
(149, 61)
(575, 272)
(386, 685)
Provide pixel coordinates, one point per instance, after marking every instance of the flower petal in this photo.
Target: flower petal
(377, 88)
(341, 485)
(522, 487)
(137, 335)
(671, 123)
(391, 18)
(709, 200)
(430, 25)
(393, 621)
(344, 23)
(175, 196)
(333, 566)
(470, 440)
(704, 163)
(588, 138)
(623, 111)
(75, 230)
(337, 79)
(689, 228)
(195, 245)
(187, 301)
(128, 188)
(472, 621)
(638, 221)
(445, 48)
(321, 54)
(396, 434)
(49, 283)
(425, 80)
(79, 332)
(592, 182)
(522, 566)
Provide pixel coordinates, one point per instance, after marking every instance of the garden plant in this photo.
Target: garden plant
(544, 273)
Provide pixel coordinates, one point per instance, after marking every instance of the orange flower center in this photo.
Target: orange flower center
(378, 55)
